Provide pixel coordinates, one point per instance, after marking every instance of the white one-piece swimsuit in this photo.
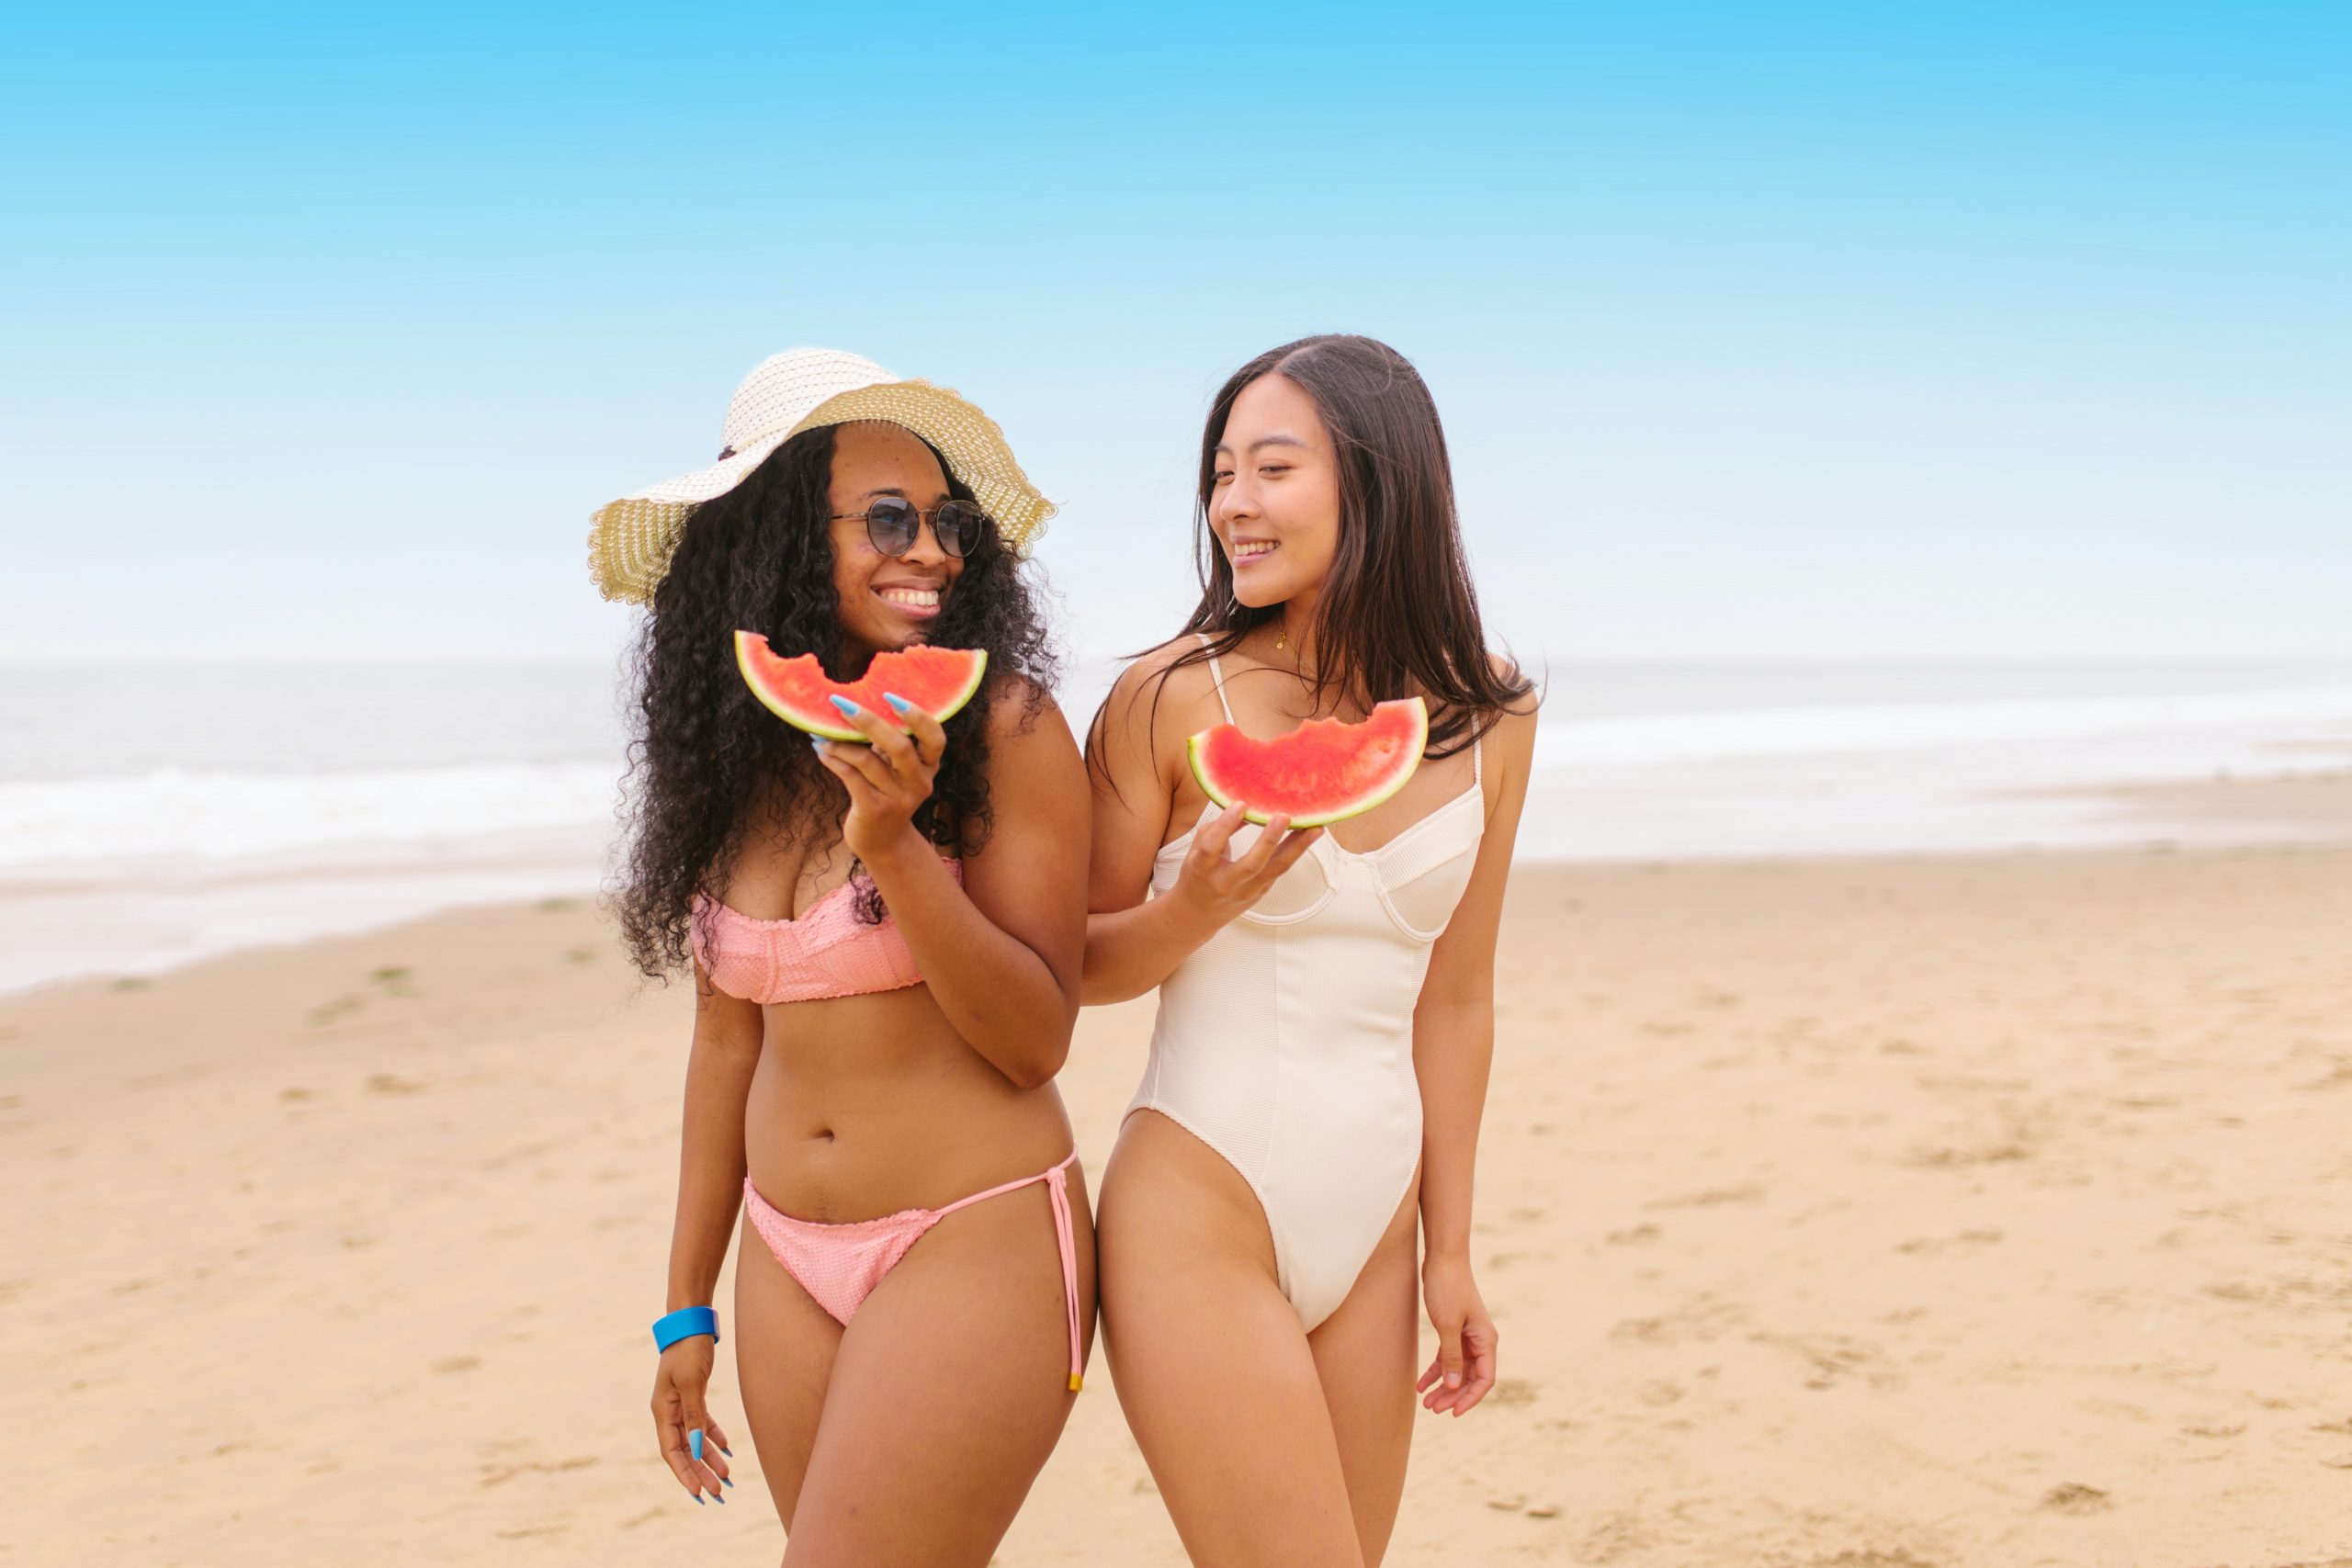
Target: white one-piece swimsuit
(1285, 1043)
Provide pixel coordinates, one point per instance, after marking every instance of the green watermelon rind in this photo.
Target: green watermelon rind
(1339, 811)
(824, 720)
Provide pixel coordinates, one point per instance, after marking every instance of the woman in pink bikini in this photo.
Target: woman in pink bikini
(885, 940)
(1325, 1018)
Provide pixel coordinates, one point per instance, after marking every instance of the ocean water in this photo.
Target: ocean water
(143, 827)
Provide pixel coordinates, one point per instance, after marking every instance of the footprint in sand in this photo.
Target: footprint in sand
(330, 1011)
(1982, 1237)
(1958, 1157)
(2075, 1498)
(1748, 1192)
(1829, 1360)
(1513, 1392)
(2338, 1078)
(496, 1475)
(392, 1083)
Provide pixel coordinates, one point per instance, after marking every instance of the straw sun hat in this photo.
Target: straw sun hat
(630, 546)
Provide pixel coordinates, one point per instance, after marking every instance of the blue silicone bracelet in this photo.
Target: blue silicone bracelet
(685, 1324)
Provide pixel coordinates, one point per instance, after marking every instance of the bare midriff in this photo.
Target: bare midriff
(864, 1105)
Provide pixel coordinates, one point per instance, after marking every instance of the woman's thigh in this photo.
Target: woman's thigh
(1212, 1367)
(783, 1354)
(950, 1388)
(1363, 1356)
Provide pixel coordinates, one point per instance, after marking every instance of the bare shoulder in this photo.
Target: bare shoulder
(1508, 672)
(1149, 670)
(1513, 736)
(1020, 709)
(1513, 740)
(1159, 693)
(1035, 779)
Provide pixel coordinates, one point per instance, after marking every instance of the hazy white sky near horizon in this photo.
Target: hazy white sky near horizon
(1975, 332)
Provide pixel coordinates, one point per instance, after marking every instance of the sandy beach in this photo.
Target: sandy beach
(1878, 1214)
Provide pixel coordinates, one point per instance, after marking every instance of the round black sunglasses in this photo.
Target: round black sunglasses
(892, 523)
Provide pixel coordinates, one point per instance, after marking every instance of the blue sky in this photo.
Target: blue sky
(1761, 332)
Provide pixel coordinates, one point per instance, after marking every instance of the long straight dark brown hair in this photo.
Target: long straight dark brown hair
(1397, 615)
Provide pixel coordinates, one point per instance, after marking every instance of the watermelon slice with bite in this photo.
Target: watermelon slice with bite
(1325, 770)
(939, 680)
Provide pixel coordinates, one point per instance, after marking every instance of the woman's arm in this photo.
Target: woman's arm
(710, 1163)
(1133, 941)
(1453, 1040)
(710, 1189)
(1002, 952)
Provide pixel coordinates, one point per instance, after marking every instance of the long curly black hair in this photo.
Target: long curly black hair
(708, 766)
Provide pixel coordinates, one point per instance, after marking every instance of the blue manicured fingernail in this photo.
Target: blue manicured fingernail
(849, 709)
(897, 700)
(717, 1498)
(816, 742)
(729, 1453)
(723, 1481)
(694, 1444)
(698, 1499)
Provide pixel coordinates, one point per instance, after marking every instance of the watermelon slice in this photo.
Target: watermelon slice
(1325, 770)
(939, 680)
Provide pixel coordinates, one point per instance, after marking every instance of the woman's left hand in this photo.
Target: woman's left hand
(1463, 1370)
(889, 776)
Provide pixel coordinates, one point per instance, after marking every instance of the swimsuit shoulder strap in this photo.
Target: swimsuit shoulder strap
(1216, 674)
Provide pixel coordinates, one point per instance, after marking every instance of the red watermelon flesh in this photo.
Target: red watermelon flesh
(939, 680)
(1325, 770)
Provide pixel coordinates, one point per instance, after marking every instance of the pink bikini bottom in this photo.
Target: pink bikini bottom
(840, 1265)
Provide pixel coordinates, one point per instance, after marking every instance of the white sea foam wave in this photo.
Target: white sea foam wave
(1564, 740)
(177, 815)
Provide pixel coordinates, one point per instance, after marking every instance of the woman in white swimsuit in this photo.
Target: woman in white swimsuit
(1326, 1010)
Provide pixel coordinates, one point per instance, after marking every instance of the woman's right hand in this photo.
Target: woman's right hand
(680, 1382)
(1215, 887)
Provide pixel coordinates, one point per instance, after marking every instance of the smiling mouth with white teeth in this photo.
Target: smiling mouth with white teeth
(1252, 549)
(923, 599)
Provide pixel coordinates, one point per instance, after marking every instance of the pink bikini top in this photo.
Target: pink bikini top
(828, 952)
